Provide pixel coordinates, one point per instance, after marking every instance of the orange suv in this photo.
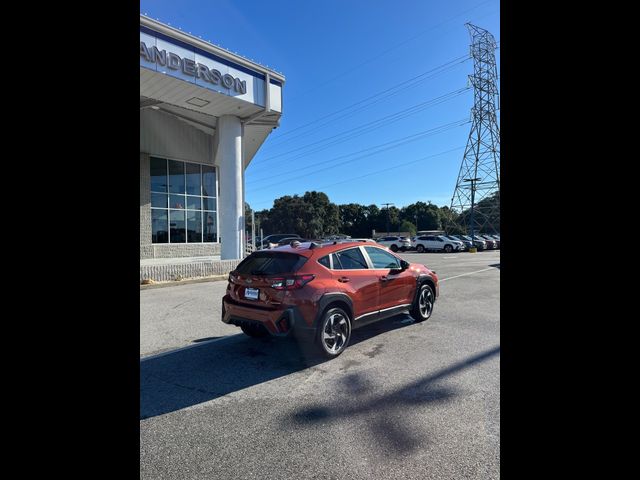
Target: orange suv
(320, 292)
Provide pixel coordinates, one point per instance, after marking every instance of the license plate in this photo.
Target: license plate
(251, 293)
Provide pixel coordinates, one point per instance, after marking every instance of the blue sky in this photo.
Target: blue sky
(339, 58)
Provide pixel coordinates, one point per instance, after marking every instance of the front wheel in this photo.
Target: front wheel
(394, 248)
(423, 305)
(334, 332)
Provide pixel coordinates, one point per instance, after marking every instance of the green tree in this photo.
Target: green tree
(407, 226)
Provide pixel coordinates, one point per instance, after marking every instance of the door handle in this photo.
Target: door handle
(343, 279)
(384, 278)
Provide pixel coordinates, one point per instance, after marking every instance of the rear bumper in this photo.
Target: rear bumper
(279, 323)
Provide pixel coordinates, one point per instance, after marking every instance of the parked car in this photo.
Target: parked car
(491, 243)
(478, 242)
(438, 243)
(466, 243)
(320, 292)
(274, 239)
(496, 238)
(395, 243)
(288, 240)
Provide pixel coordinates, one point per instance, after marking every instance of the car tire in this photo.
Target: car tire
(394, 248)
(254, 331)
(420, 248)
(423, 304)
(333, 332)
(448, 248)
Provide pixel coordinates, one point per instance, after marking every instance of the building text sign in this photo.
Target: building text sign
(189, 67)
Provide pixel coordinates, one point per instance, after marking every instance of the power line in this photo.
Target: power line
(399, 142)
(383, 121)
(341, 74)
(396, 166)
(444, 67)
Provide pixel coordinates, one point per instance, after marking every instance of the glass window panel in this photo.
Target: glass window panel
(351, 259)
(208, 181)
(176, 201)
(382, 259)
(210, 227)
(194, 203)
(159, 200)
(160, 232)
(194, 180)
(194, 226)
(176, 177)
(176, 222)
(209, 203)
(158, 174)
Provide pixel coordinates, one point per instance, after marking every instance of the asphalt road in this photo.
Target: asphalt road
(404, 400)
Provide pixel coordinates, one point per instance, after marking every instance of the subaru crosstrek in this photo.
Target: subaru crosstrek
(320, 292)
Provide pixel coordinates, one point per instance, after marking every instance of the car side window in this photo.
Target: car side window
(325, 261)
(351, 259)
(382, 259)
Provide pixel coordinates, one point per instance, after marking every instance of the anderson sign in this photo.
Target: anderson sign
(190, 67)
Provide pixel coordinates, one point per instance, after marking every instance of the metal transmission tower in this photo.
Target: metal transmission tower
(477, 194)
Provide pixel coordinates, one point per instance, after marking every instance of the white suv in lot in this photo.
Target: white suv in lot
(437, 243)
(395, 243)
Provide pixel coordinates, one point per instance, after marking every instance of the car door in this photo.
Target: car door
(395, 288)
(352, 275)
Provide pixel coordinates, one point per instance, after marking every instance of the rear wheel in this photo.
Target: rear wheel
(448, 248)
(334, 332)
(255, 331)
(420, 248)
(394, 248)
(423, 305)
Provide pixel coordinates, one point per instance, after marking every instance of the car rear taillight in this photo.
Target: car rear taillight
(291, 283)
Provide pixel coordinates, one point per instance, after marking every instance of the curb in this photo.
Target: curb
(173, 283)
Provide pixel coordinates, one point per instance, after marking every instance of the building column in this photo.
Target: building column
(230, 206)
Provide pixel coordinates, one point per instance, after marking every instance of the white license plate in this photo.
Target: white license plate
(251, 293)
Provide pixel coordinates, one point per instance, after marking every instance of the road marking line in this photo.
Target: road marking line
(150, 357)
(470, 273)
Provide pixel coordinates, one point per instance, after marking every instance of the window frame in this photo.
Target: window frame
(202, 211)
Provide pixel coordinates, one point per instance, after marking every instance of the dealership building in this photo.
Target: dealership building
(204, 113)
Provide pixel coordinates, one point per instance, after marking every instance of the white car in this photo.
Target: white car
(437, 243)
(395, 243)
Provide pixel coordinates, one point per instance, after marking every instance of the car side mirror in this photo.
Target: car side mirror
(403, 266)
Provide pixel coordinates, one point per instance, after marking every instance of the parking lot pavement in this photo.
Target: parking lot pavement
(404, 400)
(181, 315)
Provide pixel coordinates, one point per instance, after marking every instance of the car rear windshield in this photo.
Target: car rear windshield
(270, 263)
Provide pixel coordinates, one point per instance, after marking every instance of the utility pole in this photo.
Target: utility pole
(387, 205)
(473, 196)
(481, 160)
(253, 231)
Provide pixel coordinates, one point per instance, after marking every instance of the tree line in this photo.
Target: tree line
(313, 215)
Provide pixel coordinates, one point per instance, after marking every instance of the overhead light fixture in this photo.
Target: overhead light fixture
(198, 102)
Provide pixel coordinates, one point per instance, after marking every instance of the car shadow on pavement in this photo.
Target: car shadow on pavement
(386, 416)
(186, 377)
